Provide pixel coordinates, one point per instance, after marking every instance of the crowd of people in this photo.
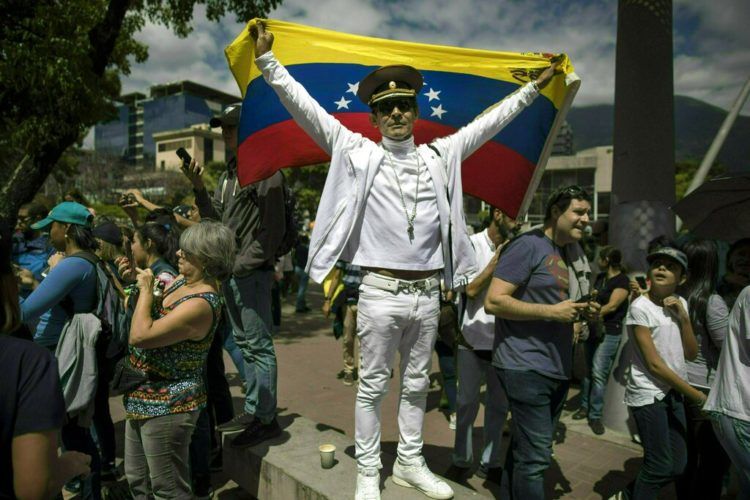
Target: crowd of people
(93, 308)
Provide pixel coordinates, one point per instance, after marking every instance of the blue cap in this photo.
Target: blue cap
(671, 253)
(68, 212)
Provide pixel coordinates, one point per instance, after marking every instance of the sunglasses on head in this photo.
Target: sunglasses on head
(573, 192)
(386, 106)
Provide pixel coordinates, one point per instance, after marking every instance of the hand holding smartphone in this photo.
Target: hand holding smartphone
(185, 157)
(641, 280)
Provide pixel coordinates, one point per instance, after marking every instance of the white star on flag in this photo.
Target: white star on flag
(353, 88)
(342, 103)
(438, 111)
(433, 94)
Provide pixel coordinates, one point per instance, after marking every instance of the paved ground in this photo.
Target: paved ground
(586, 466)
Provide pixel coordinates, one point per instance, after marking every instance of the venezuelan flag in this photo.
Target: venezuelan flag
(459, 85)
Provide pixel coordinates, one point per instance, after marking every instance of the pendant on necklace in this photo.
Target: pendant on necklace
(410, 231)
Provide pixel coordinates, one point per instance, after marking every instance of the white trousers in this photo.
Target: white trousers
(387, 322)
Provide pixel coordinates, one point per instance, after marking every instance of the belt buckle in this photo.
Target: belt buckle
(411, 287)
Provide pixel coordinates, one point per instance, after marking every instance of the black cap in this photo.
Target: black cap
(388, 82)
(229, 117)
(109, 232)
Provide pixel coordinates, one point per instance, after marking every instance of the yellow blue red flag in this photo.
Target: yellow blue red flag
(459, 85)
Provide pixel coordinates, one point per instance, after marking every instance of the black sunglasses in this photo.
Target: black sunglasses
(386, 106)
(572, 192)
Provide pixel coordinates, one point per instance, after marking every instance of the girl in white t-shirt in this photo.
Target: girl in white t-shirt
(661, 337)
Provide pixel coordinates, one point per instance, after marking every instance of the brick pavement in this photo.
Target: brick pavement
(309, 358)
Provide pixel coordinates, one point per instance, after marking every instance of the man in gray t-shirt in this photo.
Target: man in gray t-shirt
(530, 295)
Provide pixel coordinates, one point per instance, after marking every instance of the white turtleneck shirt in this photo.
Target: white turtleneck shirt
(384, 241)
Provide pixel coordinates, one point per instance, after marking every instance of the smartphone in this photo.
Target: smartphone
(185, 157)
(641, 280)
(586, 298)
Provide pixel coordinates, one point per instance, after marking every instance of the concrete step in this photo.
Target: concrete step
(288, 467)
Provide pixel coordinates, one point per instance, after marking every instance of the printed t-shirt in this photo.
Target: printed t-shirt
(537, 266)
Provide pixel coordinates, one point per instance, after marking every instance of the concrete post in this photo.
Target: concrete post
(643, 169)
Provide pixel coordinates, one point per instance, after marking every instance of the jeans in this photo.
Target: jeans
(535, 401)
(388, 322)
(156, 453)
(472, 371)
(447, 362)
(224, 330)
(302, 280)
(77, 438)
(599, 360)
(734, 435)
(707, 461)
(662, 428)
(248, 302)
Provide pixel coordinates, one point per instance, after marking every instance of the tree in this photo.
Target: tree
(685, 171)
(307, 183)
(60, 69)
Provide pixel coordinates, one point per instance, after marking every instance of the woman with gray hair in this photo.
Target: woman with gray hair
(169, 343)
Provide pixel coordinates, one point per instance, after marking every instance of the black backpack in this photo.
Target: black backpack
(109, 308)
(291, 231)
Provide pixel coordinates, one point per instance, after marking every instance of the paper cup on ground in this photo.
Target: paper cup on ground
(327, 452)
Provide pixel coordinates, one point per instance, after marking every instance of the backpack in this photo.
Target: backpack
(291, 233)
(109, 309)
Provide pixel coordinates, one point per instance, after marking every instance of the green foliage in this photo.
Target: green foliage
(213, 170)
(685, 171)
(307, 183)
(60, 69)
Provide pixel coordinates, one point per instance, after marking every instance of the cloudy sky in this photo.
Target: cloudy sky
(711, 39)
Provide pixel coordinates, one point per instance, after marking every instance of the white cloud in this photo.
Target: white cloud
(711, 57)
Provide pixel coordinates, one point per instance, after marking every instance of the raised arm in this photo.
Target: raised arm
(191, 320)
(323, 128)
(491, 121)
(208, 207)
(61, 280)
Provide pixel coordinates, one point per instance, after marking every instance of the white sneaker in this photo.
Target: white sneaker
(452, 422)
(419, 476)
(368, 485)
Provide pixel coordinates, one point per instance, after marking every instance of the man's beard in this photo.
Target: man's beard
(506, 233)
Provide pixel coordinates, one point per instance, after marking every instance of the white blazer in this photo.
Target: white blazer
(355, 160)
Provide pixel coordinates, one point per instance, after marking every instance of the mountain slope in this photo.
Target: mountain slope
(696, 125)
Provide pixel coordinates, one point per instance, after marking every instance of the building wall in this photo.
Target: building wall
(130, 136)
(112, 137)
(194, 142)
(591, 169)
